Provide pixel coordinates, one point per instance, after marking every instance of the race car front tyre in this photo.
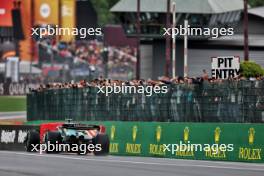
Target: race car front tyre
(31, 140)
(103, 140)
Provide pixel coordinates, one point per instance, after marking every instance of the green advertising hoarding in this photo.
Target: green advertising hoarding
(148, 139)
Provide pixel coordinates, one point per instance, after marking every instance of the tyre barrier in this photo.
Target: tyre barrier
(12, 136)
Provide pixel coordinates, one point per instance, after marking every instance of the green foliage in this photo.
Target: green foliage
(103, 10)
(255, 3)
(251, 69)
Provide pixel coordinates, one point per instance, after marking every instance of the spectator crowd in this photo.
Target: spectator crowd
(134, 82)
(120, 60)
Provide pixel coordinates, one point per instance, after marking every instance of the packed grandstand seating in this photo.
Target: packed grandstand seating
(120, 60)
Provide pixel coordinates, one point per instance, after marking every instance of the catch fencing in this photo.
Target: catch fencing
(227, 101)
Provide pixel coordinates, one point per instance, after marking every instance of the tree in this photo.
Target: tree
(103, 10)
(255, 3)
(251, 69)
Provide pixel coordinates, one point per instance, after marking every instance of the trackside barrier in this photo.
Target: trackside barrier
(13, 136)
(147, 139)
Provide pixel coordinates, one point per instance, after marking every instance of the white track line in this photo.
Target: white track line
(138, 162)
(201, 161)
(12, 117)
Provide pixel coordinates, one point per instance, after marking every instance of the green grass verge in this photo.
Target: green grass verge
(12, 103)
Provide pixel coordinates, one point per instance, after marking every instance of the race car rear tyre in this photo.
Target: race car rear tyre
(32, 138)
(102, 139)
(53, 138)
(80, 152)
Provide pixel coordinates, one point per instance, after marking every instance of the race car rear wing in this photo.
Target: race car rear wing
(77, 126)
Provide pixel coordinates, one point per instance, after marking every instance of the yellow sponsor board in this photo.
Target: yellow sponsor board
(67, 19)
(46, 12)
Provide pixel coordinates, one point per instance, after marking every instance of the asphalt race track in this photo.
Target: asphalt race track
(13, 115)
(34, 164)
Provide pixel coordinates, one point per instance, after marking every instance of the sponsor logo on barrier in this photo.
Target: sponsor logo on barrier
(133, 148)
(251, 135)
(217, 151)
(186, 134)
(112, 136)
(8, 136)
(134, 133)
(157, 149)
(158, 133)
(114, 147)
(12, 137)
(21, 136)
(183, 151)
(248, 153)
(217, 134)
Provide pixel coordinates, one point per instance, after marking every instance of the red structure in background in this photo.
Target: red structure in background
(5, 13)
(114, 35)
